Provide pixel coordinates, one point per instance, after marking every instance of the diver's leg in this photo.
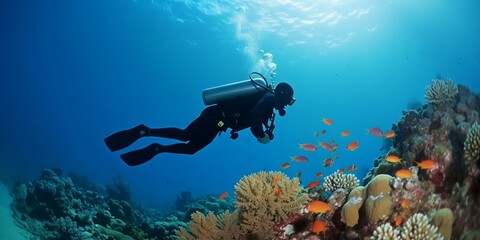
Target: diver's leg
(125, 138)
(173, 133)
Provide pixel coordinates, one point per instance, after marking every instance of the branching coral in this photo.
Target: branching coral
(262, 200)
(223, 226)
(441, 91)
(339, 180)
(471, 146)
(261, 203)
(385, 232)
(417, 227)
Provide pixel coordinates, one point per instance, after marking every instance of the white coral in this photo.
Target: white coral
(340, 180)
(471, 148)
(418, 227)
(441, 91)
(385, 232)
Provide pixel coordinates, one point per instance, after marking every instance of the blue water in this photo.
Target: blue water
(73, 72)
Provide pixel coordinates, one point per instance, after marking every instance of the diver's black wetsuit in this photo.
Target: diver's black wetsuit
(237, 114)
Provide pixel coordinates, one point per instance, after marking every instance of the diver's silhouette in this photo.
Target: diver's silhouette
(236, 106)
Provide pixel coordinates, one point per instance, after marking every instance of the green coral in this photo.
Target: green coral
(441, 92)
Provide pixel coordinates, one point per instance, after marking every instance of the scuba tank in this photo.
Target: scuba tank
(230, 91)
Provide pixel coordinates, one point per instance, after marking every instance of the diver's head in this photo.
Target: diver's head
(284, 96)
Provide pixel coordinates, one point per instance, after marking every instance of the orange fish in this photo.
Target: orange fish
(398, 221)
(276, 191)
(403, 173)
(327, 121)
(285, 165)
(275, 179)
(405, 203)
(345, 133)
(319, 174)
(426, 164)
(352, 146)
(318, 227)
(224, 195)
(324, 131)
(352, 168)
(327, 162)
(299, 174)
(334, 147)
(392, 159)
(313, 184)
(319, 207)
(299, 159)
(308, 147)
(389, 134)
(341, 170)
(325, 146)
(375, 131)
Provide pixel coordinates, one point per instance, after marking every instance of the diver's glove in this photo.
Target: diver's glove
(265, 139)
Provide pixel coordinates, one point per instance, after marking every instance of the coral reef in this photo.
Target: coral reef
(441, 91)
(385, 232)
(340, 180)
(418, 227)
(471, 149)
(261, 204)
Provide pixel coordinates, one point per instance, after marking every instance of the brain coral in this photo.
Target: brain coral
(339, 180)
(441, 91)
(471, 147)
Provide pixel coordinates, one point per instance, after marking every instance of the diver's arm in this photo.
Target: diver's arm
(260, 114)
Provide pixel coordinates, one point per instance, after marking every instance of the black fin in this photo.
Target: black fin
(125, 138)
(143, 155)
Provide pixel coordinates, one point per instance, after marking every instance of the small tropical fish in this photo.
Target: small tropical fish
(327, 121)
(276, 191)
(334, 147)
(389, 134)
(299, 174)
(299, 158)
(426, 164)
(275, 179)
(224, 195)
(319, 207)
(313, 184)
(335, 156)
(285, 165)
(352, 146)
(398, 221)
(375, 131)
(403, 173)
(319, 174)
(352, 168)
(325, 146)
(308, 147)
(324, 131)
(316, 133)
(341, 170)
(318, 227)
(405, 203)
(345, 133)
(392, 159)
(327, 162)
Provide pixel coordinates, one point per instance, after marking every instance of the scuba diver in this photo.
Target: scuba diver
(245, 104)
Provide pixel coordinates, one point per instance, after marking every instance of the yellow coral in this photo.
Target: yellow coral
(441, 92)
(443, 219)
(378, 204)
(258, 205)
(350, 214)
(471, 147)
(211, 227)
